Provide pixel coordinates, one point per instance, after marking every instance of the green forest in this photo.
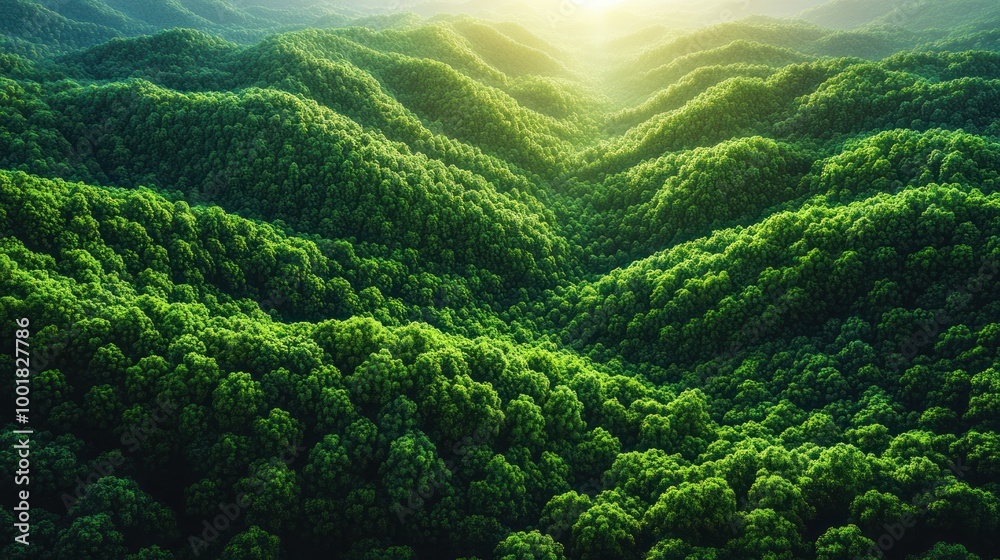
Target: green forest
(553, 280)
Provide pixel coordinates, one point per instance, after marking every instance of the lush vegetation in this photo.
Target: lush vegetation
(311, 283)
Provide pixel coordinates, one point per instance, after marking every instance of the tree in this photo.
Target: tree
(237, 401)
(696, 511)
(843, 542)
(766, 534)
(150, 553)
(561, 513)
(605, 530)
(329, 465)
(874, 509)
(413, 468)
(945, 551)
(595, 453)
(502, 494)
(252, 544)
(529, 545)
(837, 476)
(379, 379)
(525, 423)
(984, 404)
(274, 493)
(89, 538)
(959, 508)
(691, 428)
(563, 414)
(784, 498)
(461, 408)
(278, 435)
(350, 342)
(131, 510)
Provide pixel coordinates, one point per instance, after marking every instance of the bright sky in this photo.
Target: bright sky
(601, 4)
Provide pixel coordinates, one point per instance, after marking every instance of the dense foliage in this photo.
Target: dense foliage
(393, 288)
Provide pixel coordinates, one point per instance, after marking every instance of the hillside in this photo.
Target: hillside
(470, 280)
(846, 14)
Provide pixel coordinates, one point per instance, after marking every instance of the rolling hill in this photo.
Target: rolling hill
(399, 281)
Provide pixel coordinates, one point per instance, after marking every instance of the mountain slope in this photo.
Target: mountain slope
(414, 285)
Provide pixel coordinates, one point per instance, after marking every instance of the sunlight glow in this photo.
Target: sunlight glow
(600, 4)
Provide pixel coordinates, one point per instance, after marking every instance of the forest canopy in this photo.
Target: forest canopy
(619, 280)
